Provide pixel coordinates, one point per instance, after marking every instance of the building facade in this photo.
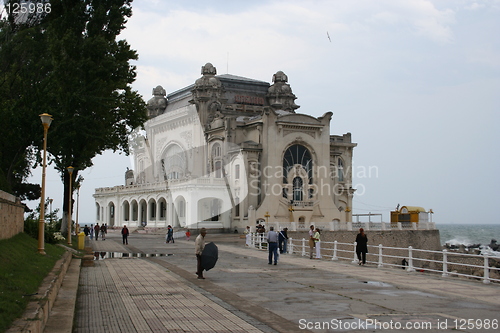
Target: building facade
(227, 152)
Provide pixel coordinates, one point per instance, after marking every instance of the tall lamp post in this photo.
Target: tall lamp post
(77, 186)
(46, 120)
(70, 171)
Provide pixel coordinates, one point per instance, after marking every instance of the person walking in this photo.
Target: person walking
(282, 240)
(96, 231)
(86, 230)
(317, 243)
(91, 232)
(125, 233)
(311, 241)
(199, 245)
(248, 236)
(104, 229)
(170, 234)
(188, 235)
(361, 246)
(272, 245)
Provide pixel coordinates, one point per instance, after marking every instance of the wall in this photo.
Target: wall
(11, 215)
(418, 239)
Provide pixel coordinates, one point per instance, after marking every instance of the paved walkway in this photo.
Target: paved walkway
(159, 292)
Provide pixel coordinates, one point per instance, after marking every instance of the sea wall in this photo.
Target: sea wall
(418, 239)
(11, 215)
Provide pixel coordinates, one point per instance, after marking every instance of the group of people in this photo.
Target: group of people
(95, 230)
(276, 241)
(103, 230)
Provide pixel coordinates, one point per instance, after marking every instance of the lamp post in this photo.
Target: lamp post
(46, 120)
(77, 186)
(70, 171)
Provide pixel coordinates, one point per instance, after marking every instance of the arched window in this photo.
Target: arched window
(340, 170)
(216, 150)
(174, 164)
(297, 156)
(217, 160)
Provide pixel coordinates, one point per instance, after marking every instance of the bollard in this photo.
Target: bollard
(81, 241)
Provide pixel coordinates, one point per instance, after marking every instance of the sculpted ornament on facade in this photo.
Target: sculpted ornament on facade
(158, 103)
(280, 94)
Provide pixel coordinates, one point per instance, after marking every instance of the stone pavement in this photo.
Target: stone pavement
(158, 292)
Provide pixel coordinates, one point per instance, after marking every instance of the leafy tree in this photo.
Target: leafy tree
(76, 70)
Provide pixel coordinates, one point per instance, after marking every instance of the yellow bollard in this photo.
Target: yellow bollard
(81, 241)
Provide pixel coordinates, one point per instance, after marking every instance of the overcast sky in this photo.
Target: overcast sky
(416, 82)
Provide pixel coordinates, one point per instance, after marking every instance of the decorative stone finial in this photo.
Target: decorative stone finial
(158, 103)
(280, 94)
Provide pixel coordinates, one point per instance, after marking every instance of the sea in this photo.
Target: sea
(468, 234)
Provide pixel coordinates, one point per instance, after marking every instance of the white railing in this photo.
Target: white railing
(350, 226)
(444, 262)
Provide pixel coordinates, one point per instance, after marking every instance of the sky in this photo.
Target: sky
(416, 82)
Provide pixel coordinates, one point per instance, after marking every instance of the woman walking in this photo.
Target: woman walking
(317, 243)
(361, 246)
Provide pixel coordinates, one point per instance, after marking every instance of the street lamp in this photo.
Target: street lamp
(46, 120)
(77, 186)
(70, 171)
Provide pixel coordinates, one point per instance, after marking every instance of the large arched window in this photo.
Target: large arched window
(297, 163)
(174, 164)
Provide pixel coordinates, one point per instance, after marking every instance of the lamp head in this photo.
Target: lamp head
(46, 119)
(70, 169)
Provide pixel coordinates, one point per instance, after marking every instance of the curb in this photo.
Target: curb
(36, 315)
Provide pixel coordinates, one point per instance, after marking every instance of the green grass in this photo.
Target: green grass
(22, 270)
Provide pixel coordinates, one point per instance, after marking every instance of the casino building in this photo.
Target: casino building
(227, 152)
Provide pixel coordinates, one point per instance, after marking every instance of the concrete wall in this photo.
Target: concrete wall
(418, 239)
(11, 215)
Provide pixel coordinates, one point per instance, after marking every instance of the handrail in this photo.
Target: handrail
(413, 259)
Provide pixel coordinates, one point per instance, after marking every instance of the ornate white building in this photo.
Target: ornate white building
(227, 152)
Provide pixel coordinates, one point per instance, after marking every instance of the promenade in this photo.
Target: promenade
(159, 292)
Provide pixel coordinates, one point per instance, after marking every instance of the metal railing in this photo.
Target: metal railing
(350, 226)
(443, 262)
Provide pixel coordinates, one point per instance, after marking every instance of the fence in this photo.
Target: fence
(349, 226)
(443, 262)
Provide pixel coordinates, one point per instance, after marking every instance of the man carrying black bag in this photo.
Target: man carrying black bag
(199, 245)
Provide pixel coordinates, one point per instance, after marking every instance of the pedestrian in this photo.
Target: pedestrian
(272, 245)
(199, 245)
(361, 246)
(104, 229)
(248, 236)
(91, 231)
(96, 231)
(317, 243)
(125, 233)
(86, 230)
(188, 235)
(170, 234)
(283, 239)
(311, 241)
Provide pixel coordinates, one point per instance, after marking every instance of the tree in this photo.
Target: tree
(19, 78)
(83, 77)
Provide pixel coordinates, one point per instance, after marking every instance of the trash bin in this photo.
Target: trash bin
(81, 241)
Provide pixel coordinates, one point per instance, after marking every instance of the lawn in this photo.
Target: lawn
(22, 270)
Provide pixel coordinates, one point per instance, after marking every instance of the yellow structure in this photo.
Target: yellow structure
(409, 214)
